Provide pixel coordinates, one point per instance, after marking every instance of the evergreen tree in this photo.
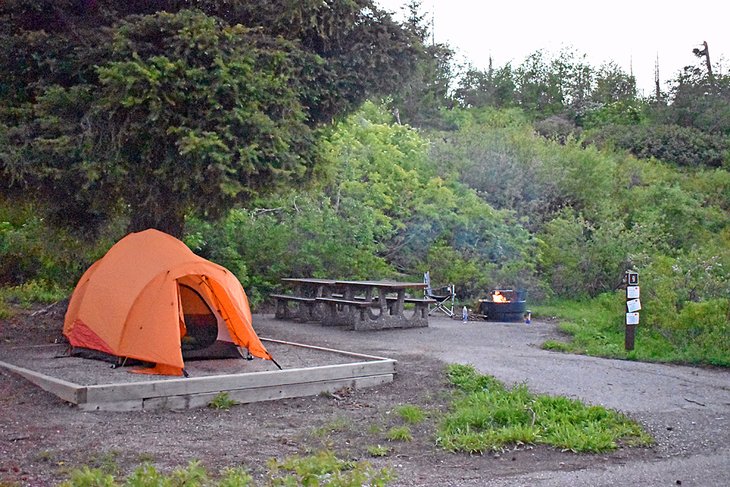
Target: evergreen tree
(154, 110)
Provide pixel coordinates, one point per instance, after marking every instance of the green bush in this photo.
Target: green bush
(684, 146)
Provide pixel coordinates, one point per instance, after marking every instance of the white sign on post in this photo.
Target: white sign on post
(632, 318)
(632, 292)
(633, 305)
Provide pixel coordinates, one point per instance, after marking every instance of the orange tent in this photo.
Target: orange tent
(150, 297)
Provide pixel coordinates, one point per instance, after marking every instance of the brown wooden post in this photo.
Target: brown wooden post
(633, 305)
(629, 337)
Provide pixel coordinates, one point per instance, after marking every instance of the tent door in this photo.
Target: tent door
(200, 321)
(206, 334)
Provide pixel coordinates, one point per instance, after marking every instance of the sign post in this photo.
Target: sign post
(633, 305)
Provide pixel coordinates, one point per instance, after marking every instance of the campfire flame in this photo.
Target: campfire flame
(498, 297)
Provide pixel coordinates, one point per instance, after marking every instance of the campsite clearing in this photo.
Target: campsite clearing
(686, 409)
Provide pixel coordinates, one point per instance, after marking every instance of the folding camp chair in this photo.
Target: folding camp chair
(444, 297)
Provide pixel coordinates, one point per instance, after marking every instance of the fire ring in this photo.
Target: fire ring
(504, 305)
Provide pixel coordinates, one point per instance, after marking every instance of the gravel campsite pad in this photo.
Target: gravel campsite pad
(686, 409)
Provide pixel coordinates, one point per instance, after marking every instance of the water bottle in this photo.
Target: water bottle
(464, 314)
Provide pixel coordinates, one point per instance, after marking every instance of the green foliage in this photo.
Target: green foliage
(581, 259)
(617, 113)
(421, 100)
(325, 469)
(235, 477)
(694, 332)
(399, 433)
(322, 469)
(222, 401)
(683, 146)
(384, 211)
(153, 113)
(339, 423)
(699, 100)
(296, 234)
(487, 416)
(88, 477)
(493, 88)
(411, 414)
(33, 292)
(33, 251)
(378, 451)
(513, 169)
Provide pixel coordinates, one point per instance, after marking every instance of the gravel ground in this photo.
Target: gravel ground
(686, 409)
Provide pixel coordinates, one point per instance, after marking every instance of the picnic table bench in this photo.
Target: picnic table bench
(304, 310)
(361, 305)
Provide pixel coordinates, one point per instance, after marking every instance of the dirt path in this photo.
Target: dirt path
(686, 409)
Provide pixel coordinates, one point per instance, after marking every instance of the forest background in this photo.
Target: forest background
(325, 139)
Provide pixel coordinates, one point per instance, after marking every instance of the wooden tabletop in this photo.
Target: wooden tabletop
(383, 284)
(309, 280)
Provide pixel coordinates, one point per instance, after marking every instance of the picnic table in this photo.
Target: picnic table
(361, 305)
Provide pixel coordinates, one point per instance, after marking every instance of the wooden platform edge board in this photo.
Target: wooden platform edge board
(242, 396)
(269, 393)
(200, 385)
(68, 391)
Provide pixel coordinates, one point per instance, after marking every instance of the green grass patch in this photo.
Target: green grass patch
(699, 335)
(321, 469)
(378, 451)
(411, 414)
(324, 468)
(400, 433)
(487, 416)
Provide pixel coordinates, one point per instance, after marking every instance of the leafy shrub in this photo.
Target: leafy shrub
(684, 146)
(557, 128)
(621, 112)
(579, 258)
(32, 250)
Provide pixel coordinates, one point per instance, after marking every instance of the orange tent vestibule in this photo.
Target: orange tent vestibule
(141, 300)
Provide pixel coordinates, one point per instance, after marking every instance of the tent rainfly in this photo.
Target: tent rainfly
(150, 298)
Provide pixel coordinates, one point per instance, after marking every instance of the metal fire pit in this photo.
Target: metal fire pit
(511, 310)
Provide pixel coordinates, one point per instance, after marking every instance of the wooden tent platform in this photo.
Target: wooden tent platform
(307, 370)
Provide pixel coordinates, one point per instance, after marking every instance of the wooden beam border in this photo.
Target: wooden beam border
(198, 392)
